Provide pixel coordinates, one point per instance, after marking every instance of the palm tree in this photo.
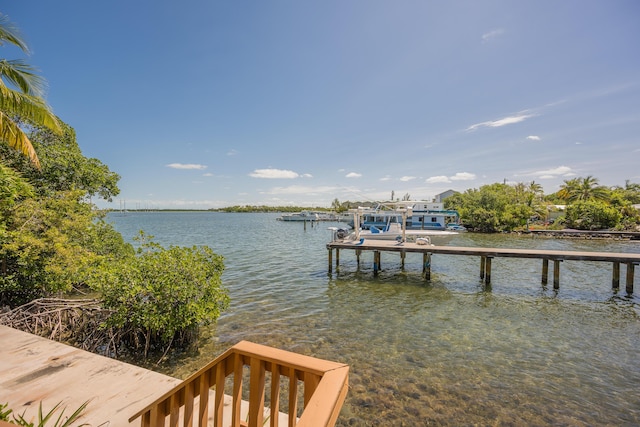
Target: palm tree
(25, 101)
(583, 189)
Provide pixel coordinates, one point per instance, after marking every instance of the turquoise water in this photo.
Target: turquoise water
(448, 352)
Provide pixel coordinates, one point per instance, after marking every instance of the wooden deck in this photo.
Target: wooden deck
(34, 370)
(487, 254)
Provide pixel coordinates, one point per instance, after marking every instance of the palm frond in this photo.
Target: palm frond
(9, 33)
(29, 107)
(11, 133)
(23, 76)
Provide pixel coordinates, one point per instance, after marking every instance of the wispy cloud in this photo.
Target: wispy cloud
(232, 152)
(460, 176)
(188, 166)
(520, 117)
(353, 175)
(407, 178)
(533, 138)
(274, 174)
(492, 35)
(207, 174)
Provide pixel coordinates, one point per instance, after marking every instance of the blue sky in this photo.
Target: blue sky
(204, 104)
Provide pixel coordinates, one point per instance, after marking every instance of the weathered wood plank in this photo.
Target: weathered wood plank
(34, 369)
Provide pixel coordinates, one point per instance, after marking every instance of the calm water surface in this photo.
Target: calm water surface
(444, 353)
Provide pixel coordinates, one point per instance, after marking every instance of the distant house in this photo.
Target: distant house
(439, 198)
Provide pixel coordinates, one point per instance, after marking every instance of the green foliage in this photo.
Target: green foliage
(50, 245)
(591, 215)
(63, 166)
(163, 293)
(495, 207)
(43, 419)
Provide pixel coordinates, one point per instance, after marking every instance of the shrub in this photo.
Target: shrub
(163, 294)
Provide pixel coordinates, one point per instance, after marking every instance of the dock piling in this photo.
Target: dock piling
(545, 271)
(615, 281)
(630, 274)
(556, 273)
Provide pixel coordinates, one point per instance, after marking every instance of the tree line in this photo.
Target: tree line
(581, 203)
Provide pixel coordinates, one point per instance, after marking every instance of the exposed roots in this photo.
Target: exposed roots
(80, 322)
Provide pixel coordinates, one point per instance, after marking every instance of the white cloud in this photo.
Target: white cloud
(460, 176)
(407, 178)
(533, 138)
(386, 178)
(438, 179)
(564, 171)
(463, 176)
(306, 175)
(232, 152)
(353, 175)
(274, 174)
(492, 34)
(190, 166)
(207, 174)
(501, 122)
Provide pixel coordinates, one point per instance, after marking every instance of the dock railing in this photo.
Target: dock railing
(242, 379)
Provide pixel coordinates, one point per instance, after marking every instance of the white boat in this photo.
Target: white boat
(392, 230)
(416, 215)
(300, 216)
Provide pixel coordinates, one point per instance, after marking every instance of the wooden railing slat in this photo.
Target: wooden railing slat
(219, 397)
(293, 398)
(174, 410)
(189, 395)
(203, 414)
(275, 394)
(256, 392)
(237, 390)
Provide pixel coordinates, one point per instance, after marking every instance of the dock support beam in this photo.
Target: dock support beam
(485, 269)
(376, 262)
(615, 281)
(556, 273)
(545, 271)
(337, 259)
(426, 265)
(630, 274)
(330, 260)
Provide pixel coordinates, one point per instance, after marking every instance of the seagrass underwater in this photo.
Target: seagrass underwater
(447, 352)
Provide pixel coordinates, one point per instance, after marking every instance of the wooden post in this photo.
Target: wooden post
(402, 256)
(556, 273)
(487, 273)
(615, 282)
(337, 259)
(330, 260)
(483, 261)
(358, 252)
(545, 271)
(376, 266)
(630, 273)
(426, 265)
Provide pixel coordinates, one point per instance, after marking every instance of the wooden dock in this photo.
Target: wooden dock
(486, 255)
(34, 370)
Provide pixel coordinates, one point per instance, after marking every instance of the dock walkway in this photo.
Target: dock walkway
(487, 254)
(34, 369)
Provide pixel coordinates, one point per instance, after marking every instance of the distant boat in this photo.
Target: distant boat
(308, 215)
(300, 216)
